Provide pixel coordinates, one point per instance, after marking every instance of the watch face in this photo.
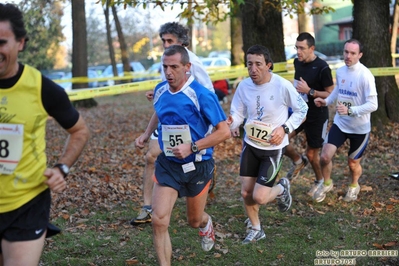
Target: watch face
(194, 148)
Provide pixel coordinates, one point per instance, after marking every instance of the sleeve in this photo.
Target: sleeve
(57, 104)
(200, 74)
(371, 98)
(298, 106)
(237, 109)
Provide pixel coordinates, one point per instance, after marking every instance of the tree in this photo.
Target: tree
(43, 23)
(262, 24)
(109, 39)
(373, 16)
(122, 42)
(236, 35)
(79, 49)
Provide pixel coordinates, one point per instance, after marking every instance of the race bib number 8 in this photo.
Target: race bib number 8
(174, 135)
(258, 132)
(11, 145)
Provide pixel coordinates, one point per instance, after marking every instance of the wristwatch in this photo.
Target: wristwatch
(63, 168)
(350, 112)
(194, 147)
(286, 129)
(311, 92)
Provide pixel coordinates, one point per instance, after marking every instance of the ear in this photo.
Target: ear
(21, 44)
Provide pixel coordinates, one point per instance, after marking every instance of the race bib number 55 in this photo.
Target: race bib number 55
(11, 144)
(174, 135)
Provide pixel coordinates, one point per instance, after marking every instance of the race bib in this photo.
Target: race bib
(258, 132)
(11, 145)
(174, 135)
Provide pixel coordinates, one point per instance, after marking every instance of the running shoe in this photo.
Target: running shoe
(253, 236)
(248, 224)
(395, 175)
(208, 237)
(352, 193)
(293, 173)
(143, 217)
(284, 200)
(314, 187)
(321, 192)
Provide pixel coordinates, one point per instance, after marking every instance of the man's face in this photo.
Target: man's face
(352, 54)
(9, 49)
(169, 40)
(175, 71)
(304, 52)
(258, 70)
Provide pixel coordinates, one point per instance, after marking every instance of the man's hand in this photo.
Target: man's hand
(302, 86)
(149, 95)
(342, 109)
(55, 179)
(319, 102)
(182, 151)
(141, 140)
(277, 136)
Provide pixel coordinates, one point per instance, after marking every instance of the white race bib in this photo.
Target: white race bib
(11, 145)
(174, 135)
(258, 132)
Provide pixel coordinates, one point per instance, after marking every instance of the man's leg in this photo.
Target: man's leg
(22, 252)
(148, 183)
(163, 201)
(198, 218)
(327, 154)
(298, 161)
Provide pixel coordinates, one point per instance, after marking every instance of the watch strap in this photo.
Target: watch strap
(64, 169)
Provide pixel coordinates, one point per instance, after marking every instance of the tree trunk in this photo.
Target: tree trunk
(79, 49)
(303, 18)
(370, 16)
(394, 31)
(109, 39)
(237, 57)
(122, 43)
(262, 24)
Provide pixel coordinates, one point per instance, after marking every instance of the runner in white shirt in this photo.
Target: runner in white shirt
(356, 97)
(263, 100)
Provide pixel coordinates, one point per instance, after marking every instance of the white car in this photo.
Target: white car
(210, 62)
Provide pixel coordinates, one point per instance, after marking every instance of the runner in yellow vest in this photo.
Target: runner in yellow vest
(27, 99)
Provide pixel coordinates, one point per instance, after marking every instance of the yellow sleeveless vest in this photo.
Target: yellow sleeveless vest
(22, 141)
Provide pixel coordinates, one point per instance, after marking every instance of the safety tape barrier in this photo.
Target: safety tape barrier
(233, 72)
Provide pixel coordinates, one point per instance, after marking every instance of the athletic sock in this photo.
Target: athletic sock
(327, 183)
(206, 228)
(299, 161)
(257, 227)
(354, 186)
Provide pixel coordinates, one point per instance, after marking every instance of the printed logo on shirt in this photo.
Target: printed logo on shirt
(4, 101)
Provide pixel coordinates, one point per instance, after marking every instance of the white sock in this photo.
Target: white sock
(299, 161)
(281, 189)
(206, 228)
(257, 227)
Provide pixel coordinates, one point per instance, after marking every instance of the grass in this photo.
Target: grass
(97, 231)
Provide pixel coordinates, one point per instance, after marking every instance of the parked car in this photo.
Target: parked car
(90, 74)
(209, 62)
(136, 67)
(56, 75)
(154, 71)
(225, 54)
(222, 86)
